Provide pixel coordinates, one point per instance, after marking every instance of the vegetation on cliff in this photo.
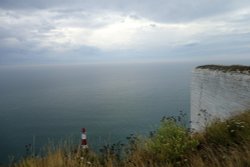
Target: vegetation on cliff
(222, 143)
(232, 68)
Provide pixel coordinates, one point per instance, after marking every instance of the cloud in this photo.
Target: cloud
(83, 30)
(160, 10)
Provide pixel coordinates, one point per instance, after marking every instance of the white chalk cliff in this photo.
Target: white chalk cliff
(217, 93)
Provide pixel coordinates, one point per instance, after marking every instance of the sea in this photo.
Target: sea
(44, 103)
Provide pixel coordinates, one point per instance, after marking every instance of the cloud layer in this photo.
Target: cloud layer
(76, 31)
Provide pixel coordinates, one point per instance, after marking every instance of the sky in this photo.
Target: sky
(86, 31)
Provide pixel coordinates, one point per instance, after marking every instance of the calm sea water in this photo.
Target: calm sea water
(110, 100)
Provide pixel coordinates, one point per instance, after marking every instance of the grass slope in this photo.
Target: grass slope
(222, 143)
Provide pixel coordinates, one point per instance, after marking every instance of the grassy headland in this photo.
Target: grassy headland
(222, 143)
(232, 68)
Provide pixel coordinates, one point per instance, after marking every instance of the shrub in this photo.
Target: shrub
(170, 142)
(232, 131)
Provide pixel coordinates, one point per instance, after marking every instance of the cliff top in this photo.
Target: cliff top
(232, 68)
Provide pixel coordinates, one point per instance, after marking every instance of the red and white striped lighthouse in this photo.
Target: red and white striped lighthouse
(84, 139)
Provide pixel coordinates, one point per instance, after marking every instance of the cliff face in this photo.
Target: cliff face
(217, 93)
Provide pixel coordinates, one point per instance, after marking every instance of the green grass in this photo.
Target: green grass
(170, 142)
(222, 143)
(232, 68)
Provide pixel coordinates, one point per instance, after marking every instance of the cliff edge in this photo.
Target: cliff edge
(218, 92)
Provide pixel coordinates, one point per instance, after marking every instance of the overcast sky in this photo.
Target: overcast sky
(82, 31)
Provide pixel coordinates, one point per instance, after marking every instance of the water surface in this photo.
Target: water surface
(110, 100)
